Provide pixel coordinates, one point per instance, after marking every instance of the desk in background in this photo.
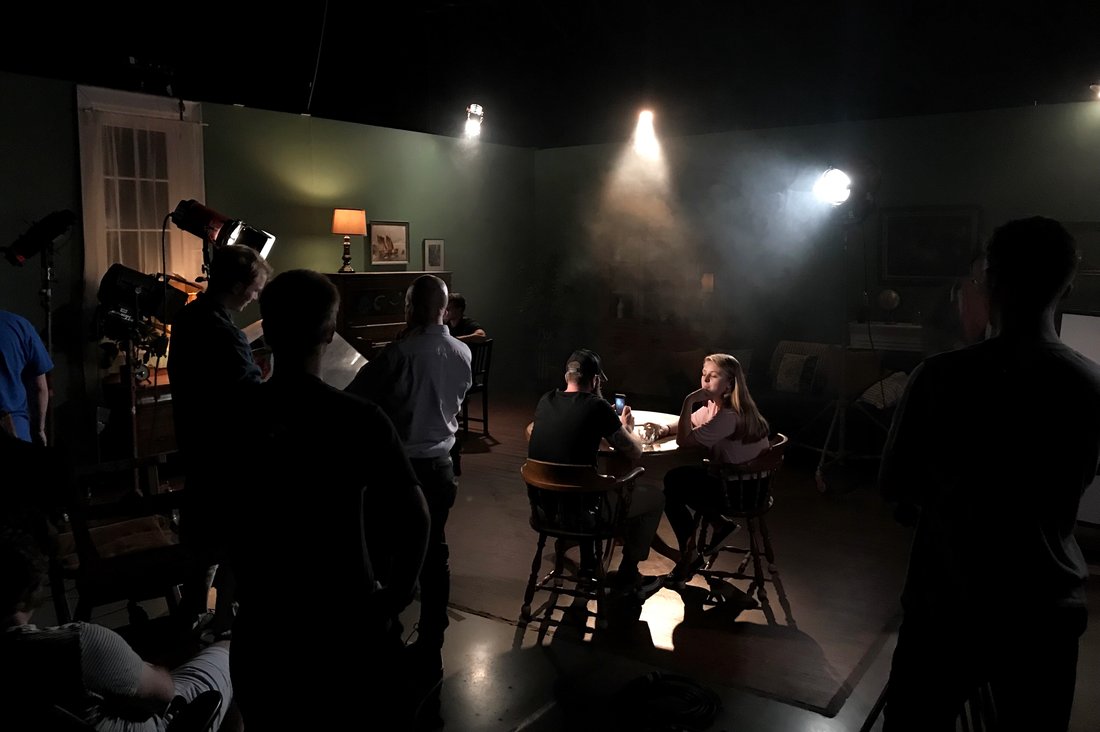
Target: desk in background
(372, 306)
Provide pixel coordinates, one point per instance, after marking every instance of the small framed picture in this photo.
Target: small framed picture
(433, 255)
(389, 242)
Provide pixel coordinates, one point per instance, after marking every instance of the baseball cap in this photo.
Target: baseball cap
(586, 363)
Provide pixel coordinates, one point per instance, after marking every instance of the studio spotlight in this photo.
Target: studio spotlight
(833, 187)
(475, 115)
(129, 299)
(39, 236)
(217, 230)
(852, 191)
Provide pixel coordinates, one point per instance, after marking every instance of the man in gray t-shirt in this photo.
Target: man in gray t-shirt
(86, 669)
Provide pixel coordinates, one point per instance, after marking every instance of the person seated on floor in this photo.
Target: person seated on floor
(569, 424)
(732, 430)
(460, 326)
(86, 669)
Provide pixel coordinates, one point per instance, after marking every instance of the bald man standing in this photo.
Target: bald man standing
(420, 380)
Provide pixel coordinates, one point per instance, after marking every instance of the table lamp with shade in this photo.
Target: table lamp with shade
(348, 221)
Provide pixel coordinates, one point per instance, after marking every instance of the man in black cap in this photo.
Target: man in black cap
(569, 425)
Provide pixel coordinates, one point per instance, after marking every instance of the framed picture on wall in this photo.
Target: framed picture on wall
(389, 242)
(927, 244)
(433, 255)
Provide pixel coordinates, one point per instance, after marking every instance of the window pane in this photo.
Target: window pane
(160, 199)
(127, 204)
(113, 252)
(110, 202)
(124, 151)
(154, 154)
(150, 249)
(130, 252)
(149, 216)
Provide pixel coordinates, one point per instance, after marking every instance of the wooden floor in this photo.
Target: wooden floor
(817, 662)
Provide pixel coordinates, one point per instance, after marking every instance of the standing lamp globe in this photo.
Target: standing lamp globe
(348, 221)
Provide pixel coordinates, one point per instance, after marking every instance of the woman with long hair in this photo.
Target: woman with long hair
(730, 427)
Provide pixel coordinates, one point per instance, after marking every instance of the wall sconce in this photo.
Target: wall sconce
(348, 221)
(218, 230)
(475, 115)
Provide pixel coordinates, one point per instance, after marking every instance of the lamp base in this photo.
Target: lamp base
(347, 257)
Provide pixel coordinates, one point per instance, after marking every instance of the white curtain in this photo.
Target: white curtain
(138, 159)
(139, 156)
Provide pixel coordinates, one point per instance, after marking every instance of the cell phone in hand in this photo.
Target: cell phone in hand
(620, 404)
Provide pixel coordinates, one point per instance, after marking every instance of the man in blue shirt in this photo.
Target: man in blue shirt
(24, 393)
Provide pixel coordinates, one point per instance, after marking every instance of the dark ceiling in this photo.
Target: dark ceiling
(570, 72)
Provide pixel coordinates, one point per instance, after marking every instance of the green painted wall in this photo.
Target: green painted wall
(286, 173)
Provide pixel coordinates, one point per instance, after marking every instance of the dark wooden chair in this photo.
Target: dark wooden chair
(115, 545)
(481, 356)
(747, 499)
(575, 504)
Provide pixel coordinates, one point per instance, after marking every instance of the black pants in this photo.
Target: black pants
(437, 480)
(1029, 662)
(690, 490)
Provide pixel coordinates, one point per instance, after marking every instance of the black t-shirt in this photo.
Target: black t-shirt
(569, 426)
(996, 443)
(466, 326)
(323, 484)
(568, 429)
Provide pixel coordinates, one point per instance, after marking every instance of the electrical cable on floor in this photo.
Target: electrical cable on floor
(668, 703)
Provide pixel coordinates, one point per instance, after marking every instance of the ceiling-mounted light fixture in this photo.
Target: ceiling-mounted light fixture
(475, 114)
(217, 230)
(645, 137)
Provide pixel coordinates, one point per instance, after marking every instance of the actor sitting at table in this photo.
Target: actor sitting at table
(569, 425)
(731, 428)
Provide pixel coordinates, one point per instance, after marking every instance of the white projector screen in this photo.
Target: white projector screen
(1082, 334)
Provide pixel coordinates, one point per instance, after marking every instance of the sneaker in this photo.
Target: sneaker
(648, 585)
(723, 528)
(685, 569)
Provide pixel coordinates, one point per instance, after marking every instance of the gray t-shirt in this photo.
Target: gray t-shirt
(86, 665)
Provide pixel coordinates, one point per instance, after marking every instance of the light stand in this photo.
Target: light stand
(850, 372)
(40, 238)
(126, 297)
